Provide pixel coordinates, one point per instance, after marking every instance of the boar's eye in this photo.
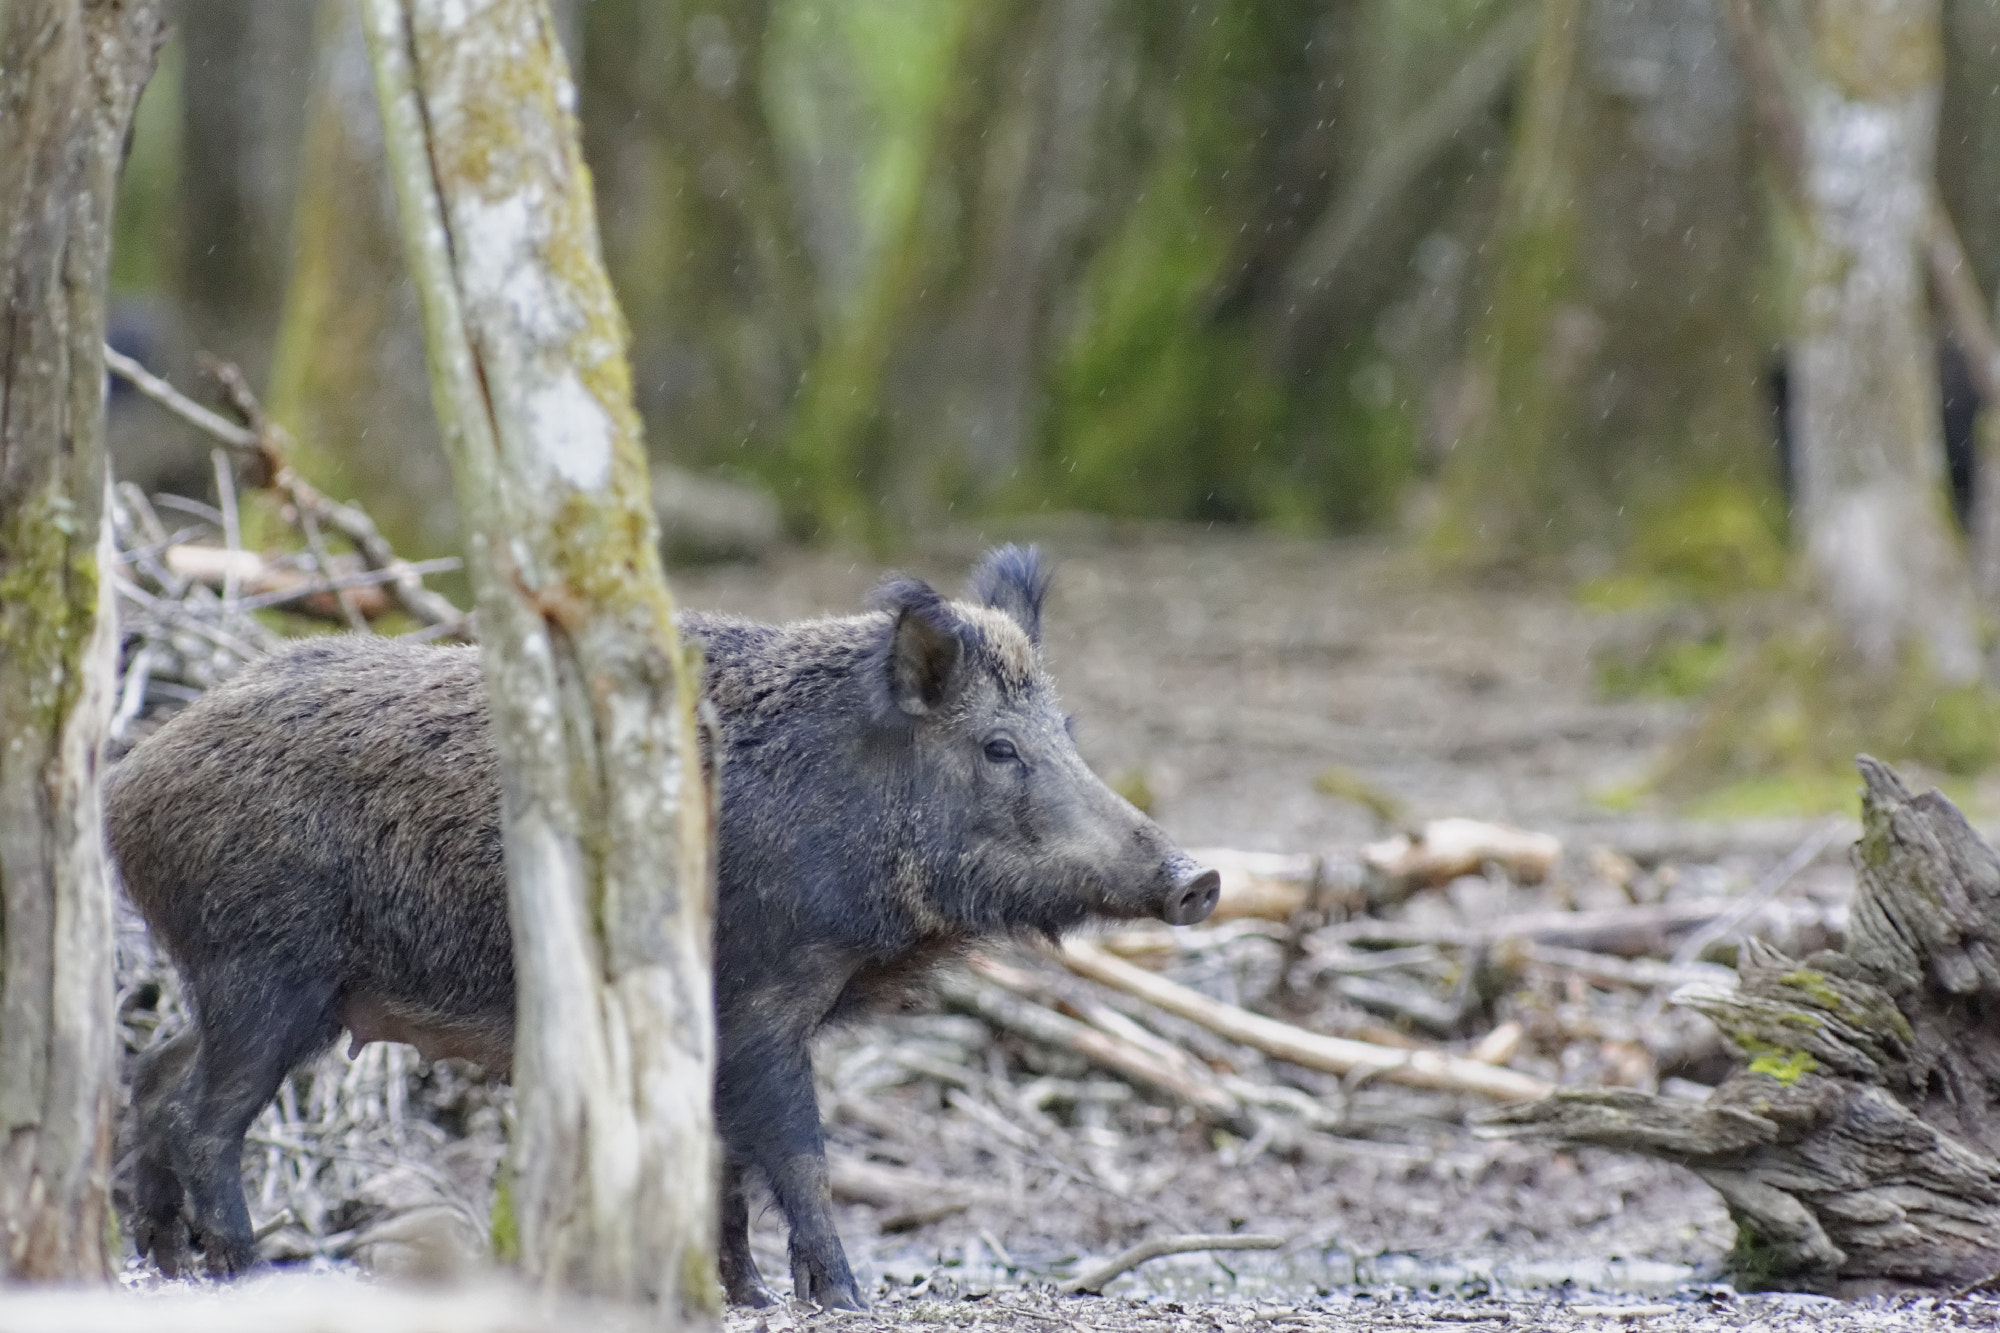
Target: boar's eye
(1000, 750)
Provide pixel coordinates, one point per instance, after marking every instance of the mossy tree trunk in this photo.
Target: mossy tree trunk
(1872, 511)
(863, 473)
(1859, 1148)
(1020, 169)
(70, 76)
(605, 809)
(1617, 370)
(701, 229)
(347, 378)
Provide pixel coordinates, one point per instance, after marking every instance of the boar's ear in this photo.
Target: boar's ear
(917, 661)
(1011, 580)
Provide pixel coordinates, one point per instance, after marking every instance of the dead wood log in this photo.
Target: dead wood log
(1333, 1055)
(1858, 1149)
(1640, 931)
(1448, 848)
(1005, 1004)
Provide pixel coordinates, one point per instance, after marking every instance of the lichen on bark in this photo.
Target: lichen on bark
(605, 813)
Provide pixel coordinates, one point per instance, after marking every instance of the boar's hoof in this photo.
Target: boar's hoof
(1192, 899)
(166, 1242)
(750, 1292)
(831, 1291)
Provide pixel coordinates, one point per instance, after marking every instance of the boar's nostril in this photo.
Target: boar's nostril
(1192, 899)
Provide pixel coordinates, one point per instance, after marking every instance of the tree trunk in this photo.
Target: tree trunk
(1616, 371)
(1859, 1150)
(244, 62)
(70, 76)
(700, 225)
(1022, 174)
(1871, 505)
(607, 821)
(347, 378)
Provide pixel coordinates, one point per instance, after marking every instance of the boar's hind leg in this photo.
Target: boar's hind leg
(254, 1031)
(765, 1103)
(740, 1278)
(159, 1100)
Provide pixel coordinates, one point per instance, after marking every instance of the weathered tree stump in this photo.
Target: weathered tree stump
(1858, 1149)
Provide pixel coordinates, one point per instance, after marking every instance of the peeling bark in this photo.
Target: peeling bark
(70, 76)
(1859, 1148)
(605, 808)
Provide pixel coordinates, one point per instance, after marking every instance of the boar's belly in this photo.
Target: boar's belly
(487, 1042)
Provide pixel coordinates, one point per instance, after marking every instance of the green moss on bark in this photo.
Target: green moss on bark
(48, 603)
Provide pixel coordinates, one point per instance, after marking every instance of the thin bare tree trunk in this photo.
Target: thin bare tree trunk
(1871, 501)
(70, 76)
(241, 122)
(347, 377)
(607, 822)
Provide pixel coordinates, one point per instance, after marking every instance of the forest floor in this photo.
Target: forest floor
(1223, 674)
(1221, 677)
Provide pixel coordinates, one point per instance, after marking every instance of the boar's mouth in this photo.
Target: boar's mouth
(1193, 895)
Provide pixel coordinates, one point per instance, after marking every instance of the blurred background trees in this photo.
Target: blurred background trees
(1604, 291)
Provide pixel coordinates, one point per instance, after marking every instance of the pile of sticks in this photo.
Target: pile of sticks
(189, 588)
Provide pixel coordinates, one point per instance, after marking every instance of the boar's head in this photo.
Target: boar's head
(1025, 834)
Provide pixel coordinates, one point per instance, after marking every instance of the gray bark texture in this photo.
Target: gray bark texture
(70, 75)
(606, 812)
(1871, 500)
(1859, 1148)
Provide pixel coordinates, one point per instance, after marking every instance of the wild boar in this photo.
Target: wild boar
(316, 843)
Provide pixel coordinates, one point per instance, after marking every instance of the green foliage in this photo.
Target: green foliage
(1135, 787)
(1673, 668)
(1779, 732)
(1716, 538)
(505, 1232)
(1347, 785)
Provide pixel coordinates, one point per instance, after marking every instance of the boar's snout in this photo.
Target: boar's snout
(1194, 892)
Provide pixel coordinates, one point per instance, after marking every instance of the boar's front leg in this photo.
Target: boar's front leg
(768, 1115)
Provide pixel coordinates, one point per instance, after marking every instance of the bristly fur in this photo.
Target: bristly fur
(1012, 579)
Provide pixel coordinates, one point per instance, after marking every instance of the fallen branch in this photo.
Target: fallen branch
(1122, 1057)
(1448, 848)
(1637, 973)
(1628, 932)
(1333, 1055)
(1093, 1280)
